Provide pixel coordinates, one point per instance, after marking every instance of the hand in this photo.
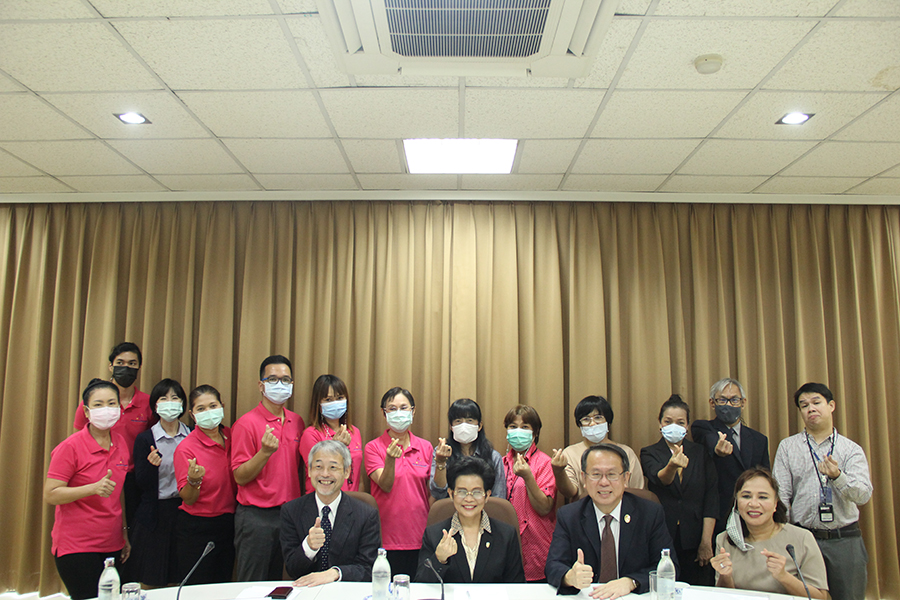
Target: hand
(342, 436)
(723, 446)
(829, 467)
(679, 458)
(521, 468)
(269, 442)
(394, 449)
(442, 452)
(580, 575)
(559, 459)
(195, 471)
(155, 458)
(721, 562)
(105, 486)
(126, 550)
(446, 547)
(317, 578)
(704, 552)
(614, 589)
(775, 564)
(316, 536)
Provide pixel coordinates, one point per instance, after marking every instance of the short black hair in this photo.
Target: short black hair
(94, 385)
(393, 392)
(591, 403)
(813, 388)
(675, 401)
(470, 465)
(626, 467)
(275, 359)
(164, 387)
(204, 389)
(123, 348)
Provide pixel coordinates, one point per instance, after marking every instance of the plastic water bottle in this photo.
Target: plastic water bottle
(381, 576)
(665, 577)
(108, 587)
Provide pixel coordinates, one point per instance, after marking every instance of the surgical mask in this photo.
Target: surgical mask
(124, 376)
(673, 433)
(465, 433)
(210, 419)
(279, 392)
(728, 414)
(334, 410)
(736, 532)
(105, 417)
(595, 433)
(399, 420)
(169, 410)
(519, 439)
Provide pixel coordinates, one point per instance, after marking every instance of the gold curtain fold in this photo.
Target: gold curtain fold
(540, 303)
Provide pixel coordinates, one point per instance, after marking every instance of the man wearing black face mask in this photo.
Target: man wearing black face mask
(733, 446)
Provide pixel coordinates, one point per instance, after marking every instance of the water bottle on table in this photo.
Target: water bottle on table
(381, 576)
(108, 587)
(665, 577)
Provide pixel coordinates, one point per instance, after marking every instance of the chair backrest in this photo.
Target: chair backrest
(502, 510)
(645, 494)
(364, 497)
(441, 510)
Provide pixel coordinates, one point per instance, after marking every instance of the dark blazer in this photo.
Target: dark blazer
(147, 478)
(688, 501)
(355, 537)
(642, 537)
(754, 452)
(499, 556)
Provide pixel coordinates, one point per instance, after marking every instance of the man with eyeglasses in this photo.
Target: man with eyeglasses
(329, 536)
(610, 540)
(265, 458)
(733, 446)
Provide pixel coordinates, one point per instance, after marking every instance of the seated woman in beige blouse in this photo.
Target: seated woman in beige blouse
(752, 550)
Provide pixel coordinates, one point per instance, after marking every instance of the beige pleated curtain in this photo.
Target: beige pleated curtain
(539, 303)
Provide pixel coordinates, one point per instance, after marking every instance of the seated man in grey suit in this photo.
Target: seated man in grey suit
(633, 530)
(329, 536)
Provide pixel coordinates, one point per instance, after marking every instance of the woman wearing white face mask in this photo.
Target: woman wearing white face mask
(399, 465)
(466, 438)
(153, 560)
(84, 482)
(594, 417)
(206, 485)
(683, 477)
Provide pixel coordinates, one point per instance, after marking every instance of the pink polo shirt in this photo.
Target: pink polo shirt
(136, 418)
(536, 531)
(312, 436)
(279, 480)
(404, 512)
(91, 524)
(217, 492)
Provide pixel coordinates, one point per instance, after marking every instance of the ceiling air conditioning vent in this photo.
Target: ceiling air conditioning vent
(541, 38)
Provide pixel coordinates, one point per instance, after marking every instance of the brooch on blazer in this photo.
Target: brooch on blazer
(627, 518)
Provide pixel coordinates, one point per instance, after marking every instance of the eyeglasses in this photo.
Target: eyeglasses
(610, 477)
(286, 380)
(595, 420)
(460, 494)
(732, 401)
(391, 409)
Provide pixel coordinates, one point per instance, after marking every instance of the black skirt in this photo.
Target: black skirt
(154, 559)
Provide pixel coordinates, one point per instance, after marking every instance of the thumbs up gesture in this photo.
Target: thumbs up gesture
(269, 442)
(679, 458)
(446, 547)
(105, 486)
(316, 535)
(580, 575)
(154, 458)
(723, 447)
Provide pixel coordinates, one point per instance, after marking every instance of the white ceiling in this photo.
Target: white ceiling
(247, 96)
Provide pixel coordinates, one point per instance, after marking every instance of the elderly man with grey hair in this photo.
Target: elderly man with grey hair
(733, 446)
(329, 536)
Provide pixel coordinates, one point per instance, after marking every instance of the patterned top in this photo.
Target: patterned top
(535, 530)
(471, 552)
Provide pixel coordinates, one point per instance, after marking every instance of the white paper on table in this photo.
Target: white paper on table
(478, 592)
(255, 592)
(712, 594)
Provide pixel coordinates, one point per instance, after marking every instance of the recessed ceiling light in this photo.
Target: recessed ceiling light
(460, 155)
(794, 118)
(133, 118)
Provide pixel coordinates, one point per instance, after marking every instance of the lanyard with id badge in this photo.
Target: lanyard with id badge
(826, 500)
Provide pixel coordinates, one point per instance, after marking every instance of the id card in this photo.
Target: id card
(826, 495)
(826, 513)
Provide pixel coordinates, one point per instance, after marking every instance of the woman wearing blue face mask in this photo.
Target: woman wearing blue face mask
(531, 488)
(329, 419)
(683, 477)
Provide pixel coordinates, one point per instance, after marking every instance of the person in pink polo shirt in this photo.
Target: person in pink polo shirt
(329, 419)
(207, 489)
(399, 465)
(84, 483)
(265, 458)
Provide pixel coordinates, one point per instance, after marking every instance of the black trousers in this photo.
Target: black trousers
(80, 572)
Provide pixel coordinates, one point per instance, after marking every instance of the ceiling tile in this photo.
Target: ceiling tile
(715, 184)
(808, 185)
(756, 119)
(613, 183)
(374, 156)
(881, 124)
(167, 116)
(8, 85)
(742, 8)
(664, 113)
(31, 185)
(279, 181)
(517, 82)
(400, 80)
(524, 113)
(547, 156)
(11, 166)
(895, 172)
(851, 55)
(847, 159)
(87, 157)
(515, 182)
(259, 114)
(317, 51)
(407, 113)
(113, 183)
(743, 157)
(879, 186)
(45, 9)
(180, 8)
(407, 182)
(73, 56)
(633, 7)
(665, 56)
(208, 183)
(288, 156)
(222, 54)
(25, 117)
(869, 8)
(297, 6)
(178, 156)
(635, 157)
(615, 44)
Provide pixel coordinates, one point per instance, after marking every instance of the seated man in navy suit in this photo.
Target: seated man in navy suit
(633, 530)
(329, 536)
